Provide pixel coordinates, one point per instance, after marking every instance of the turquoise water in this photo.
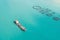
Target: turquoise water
(39, 26)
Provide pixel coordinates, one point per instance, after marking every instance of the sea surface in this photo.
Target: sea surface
(38, 26)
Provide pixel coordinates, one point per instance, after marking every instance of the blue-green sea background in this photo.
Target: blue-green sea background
(39, 26)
